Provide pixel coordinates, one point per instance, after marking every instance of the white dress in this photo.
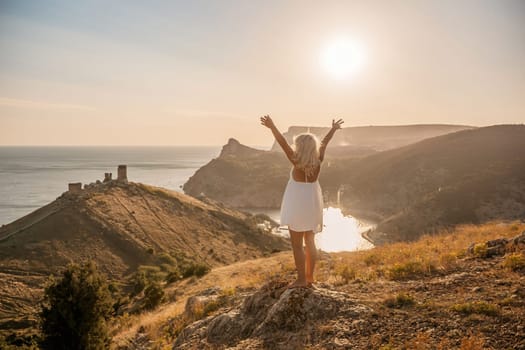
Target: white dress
(302, 206)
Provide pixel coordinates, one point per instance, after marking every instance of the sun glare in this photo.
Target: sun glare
(342, 58)
(341, 233)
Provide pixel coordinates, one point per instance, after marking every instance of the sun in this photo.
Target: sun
(342, 58)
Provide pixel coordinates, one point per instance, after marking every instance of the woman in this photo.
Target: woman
(302, 203)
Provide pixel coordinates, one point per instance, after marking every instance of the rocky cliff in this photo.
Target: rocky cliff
(241, 177)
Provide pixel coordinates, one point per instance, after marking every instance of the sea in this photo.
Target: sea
(33, 176)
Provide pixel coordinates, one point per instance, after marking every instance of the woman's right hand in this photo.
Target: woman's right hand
(267, 121)
(337, 124)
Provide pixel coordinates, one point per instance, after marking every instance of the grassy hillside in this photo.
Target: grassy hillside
(121, 227)
(465, 177)
(428, 294)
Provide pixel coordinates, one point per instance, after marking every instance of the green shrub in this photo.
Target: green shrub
(173, 277)
(480, 250)
(76, 309)
(400, 300)
(476, 307)
(195, 269)
(372, 259)
(514, 262)
(167, 268)
(153, 273)
(410, 270)
(153, 295)
(167, 259)
(139, 282)
(212, 306)
(346, 273)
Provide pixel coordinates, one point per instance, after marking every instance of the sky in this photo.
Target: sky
(199, 72)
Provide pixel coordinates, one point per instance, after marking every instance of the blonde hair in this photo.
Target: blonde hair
(306, 152)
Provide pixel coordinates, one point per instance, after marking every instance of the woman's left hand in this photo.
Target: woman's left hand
(267, 121)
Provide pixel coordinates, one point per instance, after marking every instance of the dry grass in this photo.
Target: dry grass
(423, 341)
(515, 262)
(472, 342)
(429, 255)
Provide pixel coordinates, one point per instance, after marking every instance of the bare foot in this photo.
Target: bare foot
(297, 284)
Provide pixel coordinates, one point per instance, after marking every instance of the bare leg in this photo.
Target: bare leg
(298, 255)
(311, 256)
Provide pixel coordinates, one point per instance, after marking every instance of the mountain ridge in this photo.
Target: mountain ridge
(376, 137)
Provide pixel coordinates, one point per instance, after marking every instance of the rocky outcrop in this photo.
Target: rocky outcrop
(516, 244)
(241, 177)
(236, 149)
(273, 317)
(498, 247)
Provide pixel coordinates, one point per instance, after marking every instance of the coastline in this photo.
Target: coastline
(365, 235)
(33, 176)
(369, 218)
(363, 215)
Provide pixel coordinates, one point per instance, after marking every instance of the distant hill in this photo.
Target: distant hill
(119, 226)
(369, 139)
(468, 176)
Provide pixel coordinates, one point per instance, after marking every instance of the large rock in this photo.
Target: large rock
(498, 247)
(235, 149)
(271, 314)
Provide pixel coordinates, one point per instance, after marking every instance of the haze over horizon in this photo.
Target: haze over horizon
(198, 73)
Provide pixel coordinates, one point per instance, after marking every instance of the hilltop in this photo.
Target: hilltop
(121, 227)
(461, 289)
(468, 176)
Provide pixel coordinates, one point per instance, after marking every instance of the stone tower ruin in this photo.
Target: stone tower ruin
(122, 174)
(75, 187)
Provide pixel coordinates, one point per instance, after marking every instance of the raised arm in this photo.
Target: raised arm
(268, 122)
(324, 143)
